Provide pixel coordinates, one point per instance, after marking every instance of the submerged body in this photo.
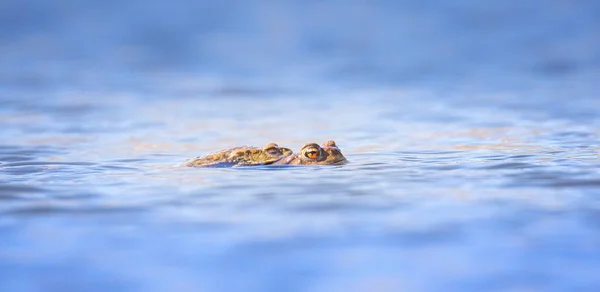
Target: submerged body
(242, 156)
(272, 154)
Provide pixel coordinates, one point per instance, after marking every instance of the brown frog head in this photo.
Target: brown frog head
(313, 154)
(242, 156)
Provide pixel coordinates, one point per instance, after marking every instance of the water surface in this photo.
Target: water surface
(472, 166)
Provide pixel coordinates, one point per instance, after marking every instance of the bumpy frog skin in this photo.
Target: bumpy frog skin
(242, 156)
(313, 154)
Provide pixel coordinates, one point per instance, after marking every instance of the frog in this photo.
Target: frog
(313, 154)
(242, 156)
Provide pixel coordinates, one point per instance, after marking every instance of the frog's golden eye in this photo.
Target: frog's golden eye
(312, 152)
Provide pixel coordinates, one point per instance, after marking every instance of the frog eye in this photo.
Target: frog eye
(312, 152)
(271, 150)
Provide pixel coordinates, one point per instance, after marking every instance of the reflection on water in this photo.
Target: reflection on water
(471, 132)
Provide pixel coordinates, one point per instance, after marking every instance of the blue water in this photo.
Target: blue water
(471, 129)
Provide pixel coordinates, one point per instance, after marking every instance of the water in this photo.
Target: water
(471, 132)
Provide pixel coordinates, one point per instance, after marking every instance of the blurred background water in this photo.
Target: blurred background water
(471, 130)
